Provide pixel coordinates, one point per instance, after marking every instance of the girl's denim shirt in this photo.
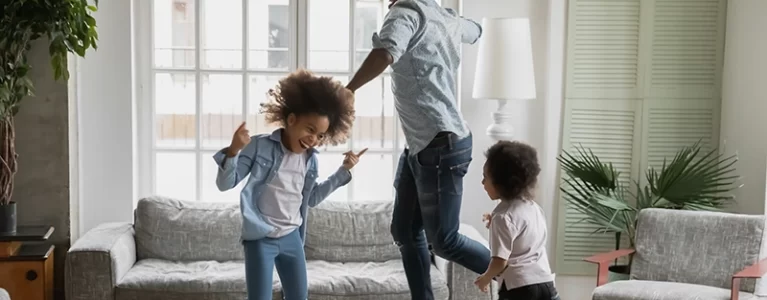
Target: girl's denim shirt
(261, 159)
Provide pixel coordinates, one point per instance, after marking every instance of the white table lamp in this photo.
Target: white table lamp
(504, 69)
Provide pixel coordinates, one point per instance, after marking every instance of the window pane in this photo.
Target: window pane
(259, 89)
(269, 34)
(175, 110)
(210, 192)
(373, 178)
(329, 35)
(328, 163)
(221, 34)
(372, 127)
(221, 108)
(173, 30)
(176, 175)
(367, 20)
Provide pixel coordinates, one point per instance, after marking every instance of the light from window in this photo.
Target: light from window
(208, 77)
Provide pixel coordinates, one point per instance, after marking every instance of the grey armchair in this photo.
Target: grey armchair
(690, 255)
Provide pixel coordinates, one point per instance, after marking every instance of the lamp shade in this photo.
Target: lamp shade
(504, 68)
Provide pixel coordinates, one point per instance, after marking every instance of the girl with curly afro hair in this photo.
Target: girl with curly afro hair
(281, 171)
(517, 225)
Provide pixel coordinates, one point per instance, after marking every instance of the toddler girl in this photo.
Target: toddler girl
(517, 225)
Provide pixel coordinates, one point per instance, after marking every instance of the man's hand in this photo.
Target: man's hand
(486, 220)
(352, 159)
(240, 139)
(483, 282)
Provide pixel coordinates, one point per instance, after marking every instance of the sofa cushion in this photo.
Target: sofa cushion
(367, 281)
(671, 244)
(658, 290)
(350, 232)
(154, 279)
(187, 231)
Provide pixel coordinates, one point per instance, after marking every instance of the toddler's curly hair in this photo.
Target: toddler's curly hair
(302, 93)
(513, 168)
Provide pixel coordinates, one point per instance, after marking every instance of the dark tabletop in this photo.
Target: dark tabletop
(28, 234)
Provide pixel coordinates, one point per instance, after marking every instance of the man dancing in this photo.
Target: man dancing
(421, 42)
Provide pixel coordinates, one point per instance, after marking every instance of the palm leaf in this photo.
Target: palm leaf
(694, 179)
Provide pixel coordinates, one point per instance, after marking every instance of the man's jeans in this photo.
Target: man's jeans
(429, 190)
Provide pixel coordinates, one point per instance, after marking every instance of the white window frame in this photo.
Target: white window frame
(144, 70)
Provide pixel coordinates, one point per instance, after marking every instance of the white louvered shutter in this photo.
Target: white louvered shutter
(643, 79)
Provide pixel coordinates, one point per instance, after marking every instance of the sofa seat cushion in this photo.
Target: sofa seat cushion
(659, 290)
(365, 281)
(154, 279)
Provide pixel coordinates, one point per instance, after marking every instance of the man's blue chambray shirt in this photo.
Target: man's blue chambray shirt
(425, 41)
(261, 159)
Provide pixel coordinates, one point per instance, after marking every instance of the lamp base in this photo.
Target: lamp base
(501, 129)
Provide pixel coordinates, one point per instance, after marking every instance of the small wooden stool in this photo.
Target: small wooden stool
(26, 267)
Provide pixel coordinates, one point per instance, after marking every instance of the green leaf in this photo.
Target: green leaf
(611, 202)
(5, 94)
(693, 179)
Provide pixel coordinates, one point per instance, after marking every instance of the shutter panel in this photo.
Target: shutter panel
(683, 94)
(670, 125)
(686, 52)
(602, 111)
(643, 80)
(611, 130)
(603, 54)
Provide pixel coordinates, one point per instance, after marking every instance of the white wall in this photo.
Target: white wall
(105, 131)
(744, 99)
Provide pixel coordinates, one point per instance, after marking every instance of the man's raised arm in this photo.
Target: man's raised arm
(389, 44)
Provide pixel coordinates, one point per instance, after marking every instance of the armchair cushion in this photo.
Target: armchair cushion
(369, 281)
(656, 290)
(704, 248)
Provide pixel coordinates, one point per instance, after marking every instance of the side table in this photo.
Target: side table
(26, 263)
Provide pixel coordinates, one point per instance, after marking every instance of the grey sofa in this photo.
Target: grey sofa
(691, 255)
(191, 250)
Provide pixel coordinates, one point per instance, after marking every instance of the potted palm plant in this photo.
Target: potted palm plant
(694, 179)
(69, 28)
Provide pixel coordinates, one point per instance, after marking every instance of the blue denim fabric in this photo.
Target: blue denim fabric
(427, 207)
(259, 162)
(286, 254)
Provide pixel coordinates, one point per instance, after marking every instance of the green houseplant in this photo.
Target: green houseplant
(694, 180)
(69, 28)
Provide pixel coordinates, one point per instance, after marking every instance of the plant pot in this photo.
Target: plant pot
(618, 272)
(8, 218)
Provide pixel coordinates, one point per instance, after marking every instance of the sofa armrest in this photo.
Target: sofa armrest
(460, 280)
(98, 260)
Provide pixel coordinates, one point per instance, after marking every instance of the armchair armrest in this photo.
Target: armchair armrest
(460, 280)
(98, 260)
(603, 262)
(756, 270)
